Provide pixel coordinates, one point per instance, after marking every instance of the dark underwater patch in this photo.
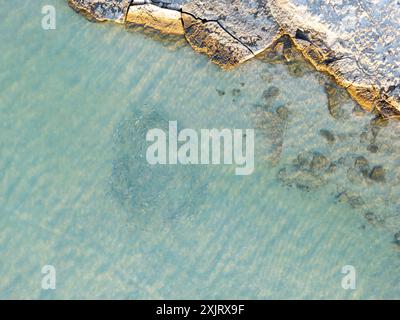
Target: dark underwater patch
(151, 193)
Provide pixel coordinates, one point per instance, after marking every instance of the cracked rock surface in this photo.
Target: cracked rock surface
(166, 4)
(102, 10)
(211, 38)
(243, 28)
(356, 41)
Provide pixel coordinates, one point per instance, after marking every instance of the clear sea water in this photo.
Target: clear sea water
(77, 193)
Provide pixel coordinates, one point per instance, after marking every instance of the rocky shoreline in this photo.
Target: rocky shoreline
(357, 42)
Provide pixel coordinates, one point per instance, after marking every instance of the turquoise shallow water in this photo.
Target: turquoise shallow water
(76, 192)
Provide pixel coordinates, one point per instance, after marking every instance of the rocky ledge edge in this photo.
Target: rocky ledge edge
(357, 42)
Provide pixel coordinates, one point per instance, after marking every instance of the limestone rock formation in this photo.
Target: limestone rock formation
(211, 38)
(151, 16)
(244, 28)
(357, 42)
(102, 10)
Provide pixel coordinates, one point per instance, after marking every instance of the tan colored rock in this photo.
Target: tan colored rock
(245, 27)
(151, 16)
(357, 42)
(210, 38)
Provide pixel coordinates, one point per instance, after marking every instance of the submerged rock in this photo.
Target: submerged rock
(362, 164)
(303, 180)
(354, 200)
(271, 93)
(271, 127)
(220, 92)
(377, 174)
(373, 148)
(319, 162)
(397, 238)
(329, 137)
(283, 112)
(308, 171)
(372, 218)
(336, 97)
(359, 172)
(369, 216)
(236, 92)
